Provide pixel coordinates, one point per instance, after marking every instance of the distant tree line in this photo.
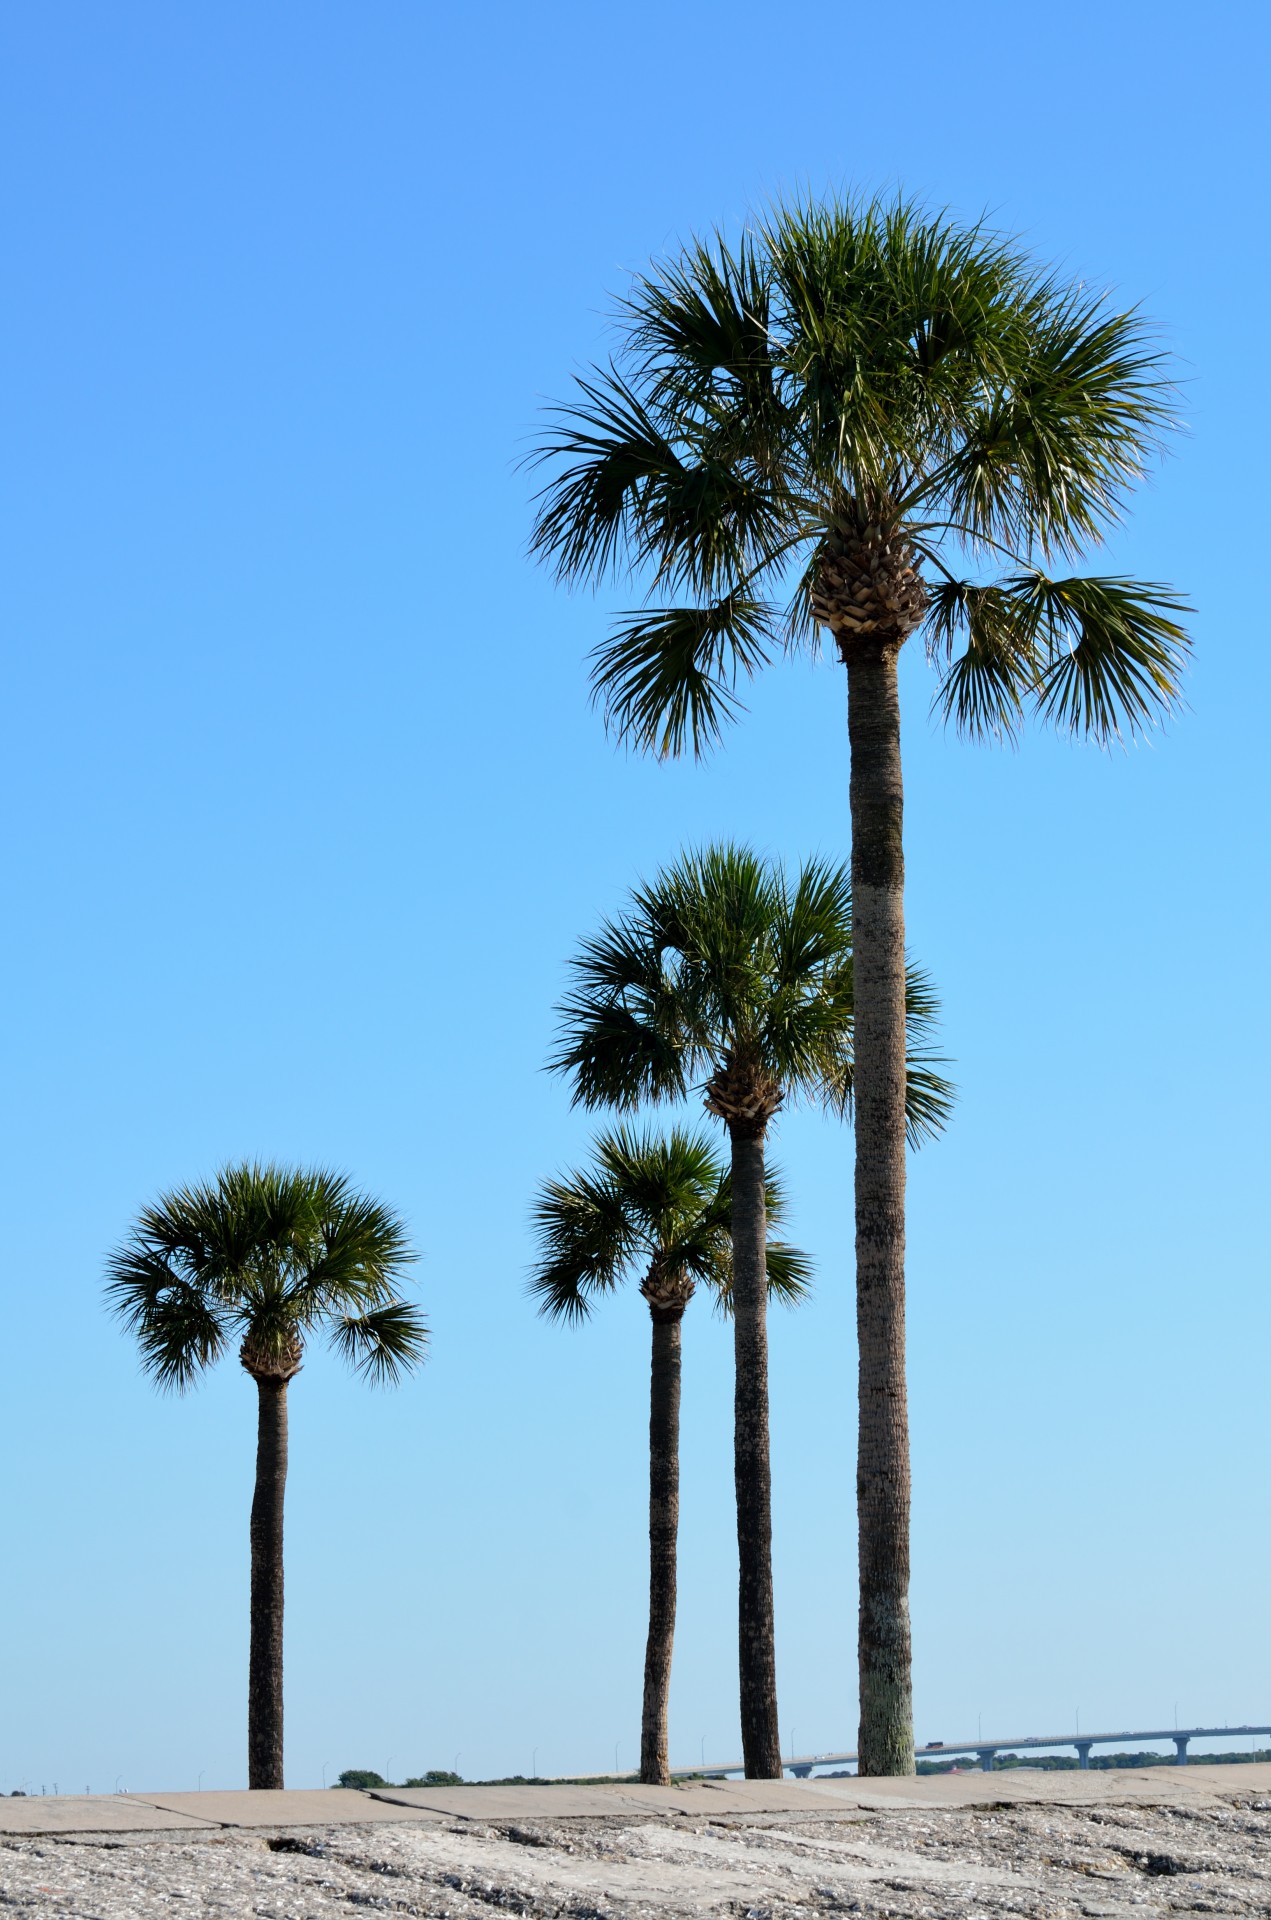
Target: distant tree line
(363, 1779)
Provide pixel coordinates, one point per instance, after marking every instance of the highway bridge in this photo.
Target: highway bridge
(986, 1751)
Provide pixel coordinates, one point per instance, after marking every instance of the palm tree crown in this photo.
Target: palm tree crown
(659, 1205)
(267, 1255)
(865, 418)
(728, 971)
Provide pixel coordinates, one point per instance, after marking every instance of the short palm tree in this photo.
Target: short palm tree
(729, 973)
(862, 422)
(659, 1207)
(267, 1256)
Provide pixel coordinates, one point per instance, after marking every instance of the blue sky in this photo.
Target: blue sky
(306, 809)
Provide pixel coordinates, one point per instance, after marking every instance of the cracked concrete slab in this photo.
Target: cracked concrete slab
(1108, 1858)
(565, 1802)
(305, 1807)
(88, 1813)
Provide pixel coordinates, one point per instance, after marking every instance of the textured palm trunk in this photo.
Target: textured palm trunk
(757, 1653)
(664, 1523)
(264, 1680)
(885, 1744)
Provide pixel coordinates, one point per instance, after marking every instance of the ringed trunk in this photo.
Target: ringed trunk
(757, 1654)
(264, 1681)
(885, 1744)
(664, 1521)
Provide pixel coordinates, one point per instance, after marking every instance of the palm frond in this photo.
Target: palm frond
(764, 954)
(383, 1343)
(710, 522)
(1080, 410)
(929, 1095)
(930, 1098)
(1094, 656)
(605, 452)
(178, 1324)
(667, 678)
(983, 689)
(1113, 653)
(622, 1035)
(813, 931)
(668, 1183)
(357, 1257)
(922, 1006)
(702, 324)
(614, 1057)
(789, 1274)
(776, 1201)
(892, 321)
(586, 1238)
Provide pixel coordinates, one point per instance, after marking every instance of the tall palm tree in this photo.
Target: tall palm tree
(726, 971)
(863, 421)
(660, 1207)
(268, 1256)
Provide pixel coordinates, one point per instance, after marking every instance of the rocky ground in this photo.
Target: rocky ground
(1043, 1861)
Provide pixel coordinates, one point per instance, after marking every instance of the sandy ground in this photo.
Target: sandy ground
(1097, 1861)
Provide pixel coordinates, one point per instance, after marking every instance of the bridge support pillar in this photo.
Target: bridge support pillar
(800, 1773)
(1083, 1753)
(986, 1759)
(1180, 1748)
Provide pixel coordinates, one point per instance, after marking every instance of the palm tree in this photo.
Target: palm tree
(726, 970)
(267, 1256)
(659, 1206)
(864, 421)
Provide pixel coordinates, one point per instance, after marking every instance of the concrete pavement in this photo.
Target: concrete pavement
(570, 1803)
(1193, 1786)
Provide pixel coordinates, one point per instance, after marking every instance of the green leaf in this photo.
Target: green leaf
(178, 1324)
(382, 1344)
(983, 689)
(605, 452)
(1115, 655)
(1095, 656)
(929, 1095)
(789, 1274)
(667, 678)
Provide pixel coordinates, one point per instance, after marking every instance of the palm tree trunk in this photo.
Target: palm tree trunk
(885, 1744)
(757, 1652)
(664, 1522)
(264, 1681)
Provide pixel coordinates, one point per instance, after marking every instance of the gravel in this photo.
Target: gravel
(1100, 1862)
